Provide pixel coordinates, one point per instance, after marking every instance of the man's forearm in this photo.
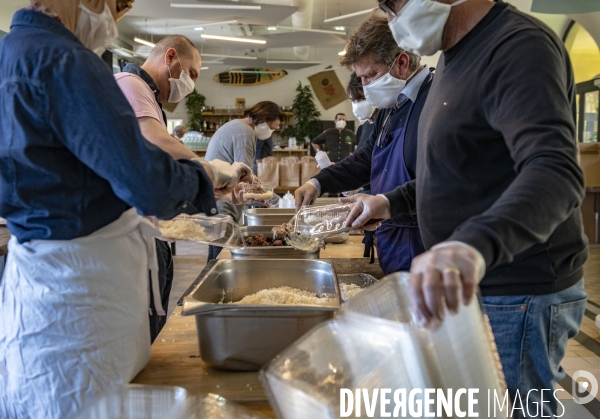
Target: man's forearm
(155, 132)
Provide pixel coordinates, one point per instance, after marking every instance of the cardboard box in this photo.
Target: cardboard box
(589, 160)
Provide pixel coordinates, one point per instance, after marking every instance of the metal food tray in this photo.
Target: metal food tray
(274, 252)
(244, 338)
(361, 279)
(268, 216)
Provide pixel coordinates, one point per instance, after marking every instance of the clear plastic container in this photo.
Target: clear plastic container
(305, 380)
(322, 220)
(134, 401)
(213, 406)
(219, 230)
(257, 192)
(464, 353)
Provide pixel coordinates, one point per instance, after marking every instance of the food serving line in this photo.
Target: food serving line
(175, 358)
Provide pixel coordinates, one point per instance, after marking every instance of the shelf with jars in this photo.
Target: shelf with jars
(216, 117)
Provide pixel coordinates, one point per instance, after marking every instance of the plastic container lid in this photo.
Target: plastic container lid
(316, 221)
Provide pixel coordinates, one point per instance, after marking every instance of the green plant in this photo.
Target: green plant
(306, 116)
(194, 103)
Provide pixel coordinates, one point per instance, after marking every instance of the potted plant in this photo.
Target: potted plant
(194, 103)
(306, 116)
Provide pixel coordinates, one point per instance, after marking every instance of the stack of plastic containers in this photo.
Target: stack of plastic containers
(134, 401)
(375, 343)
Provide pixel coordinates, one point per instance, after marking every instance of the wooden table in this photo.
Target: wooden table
(175, 357)
(4, 238)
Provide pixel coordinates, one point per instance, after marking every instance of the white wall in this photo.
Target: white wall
(281, 92)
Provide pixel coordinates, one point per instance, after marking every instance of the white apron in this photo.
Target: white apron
(74, 317)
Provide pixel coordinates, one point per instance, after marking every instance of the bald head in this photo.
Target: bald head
(169, 57)
(183, 46)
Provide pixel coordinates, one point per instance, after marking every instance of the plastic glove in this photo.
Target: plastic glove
(442, 277)
(368, 212)
(351, 193)
(306, 195)
(226, 176)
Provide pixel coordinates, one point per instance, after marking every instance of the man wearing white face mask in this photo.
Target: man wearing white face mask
(362, 110)
(395, 82)
(498, 188)
(337, 142)
(235, 141)
(169, 74)
(76, 176)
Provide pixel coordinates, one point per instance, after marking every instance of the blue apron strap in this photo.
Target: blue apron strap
(369, 242)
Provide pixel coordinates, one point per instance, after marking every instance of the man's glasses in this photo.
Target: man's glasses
(387, 7)
(123, 7)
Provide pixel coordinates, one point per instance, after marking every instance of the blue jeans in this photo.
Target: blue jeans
(531, 333)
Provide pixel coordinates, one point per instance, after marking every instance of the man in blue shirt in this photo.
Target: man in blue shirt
(75, 171)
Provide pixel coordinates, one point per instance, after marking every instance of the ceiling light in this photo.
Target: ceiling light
(254, 72)
(206, 24)
(293, 62)
(144, 42)
(342, 52)
(239, 57)
(333, 19)
(203, 68)
(291, 28)
(271, 28)
(199, 28)
(214, 6)
(339, 28)
(229, 38)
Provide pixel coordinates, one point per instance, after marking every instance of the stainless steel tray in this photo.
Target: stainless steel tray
(268, 216)
(244, 338)
(273, 252)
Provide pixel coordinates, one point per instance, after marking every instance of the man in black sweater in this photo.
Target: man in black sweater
(498, 188)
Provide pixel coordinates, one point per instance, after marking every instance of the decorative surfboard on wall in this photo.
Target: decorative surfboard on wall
(250, 76)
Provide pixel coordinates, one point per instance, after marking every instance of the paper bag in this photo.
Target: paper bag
(309, 169)
(289, 172)
(328, 88)
(268, 170)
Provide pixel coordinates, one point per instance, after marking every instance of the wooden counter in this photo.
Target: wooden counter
(175, 357)
(285, 152)
(4, 238)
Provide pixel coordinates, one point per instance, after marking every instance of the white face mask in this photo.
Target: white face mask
(341, 124)
(263, 131)
(95, 30)
(180, 87)
(383, 92)
(419, 26)
(363, 110)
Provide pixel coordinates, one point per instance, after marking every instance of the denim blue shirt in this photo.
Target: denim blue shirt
(72, 157)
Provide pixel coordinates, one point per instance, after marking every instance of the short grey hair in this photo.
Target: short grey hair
(374, 37)
(178, 128)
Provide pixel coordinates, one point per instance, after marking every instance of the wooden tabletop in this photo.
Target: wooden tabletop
(175, 359)
(4, 238)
